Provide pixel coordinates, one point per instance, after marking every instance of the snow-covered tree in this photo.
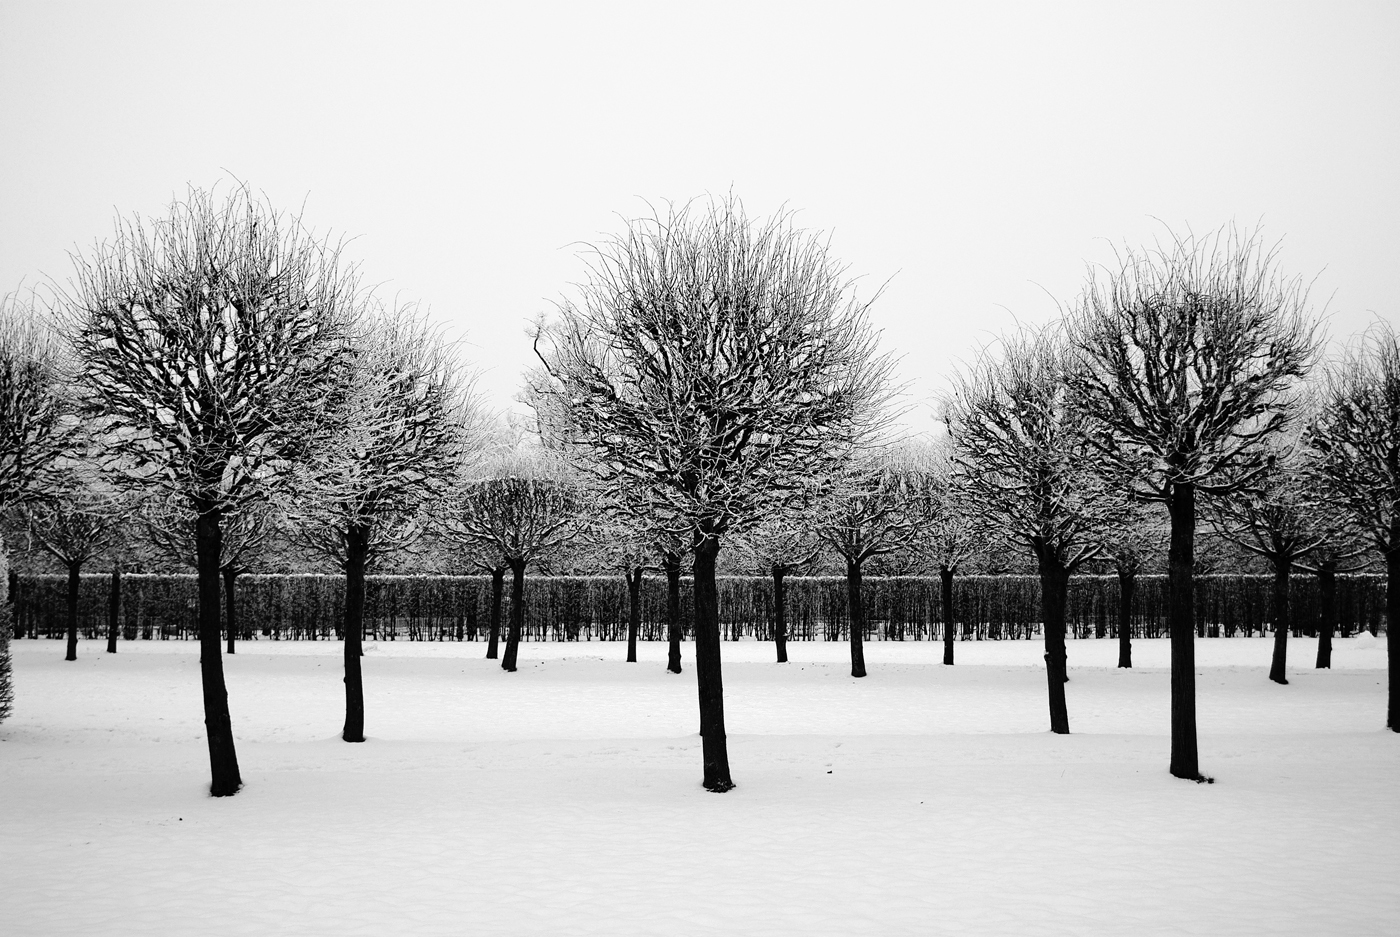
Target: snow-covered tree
(1022, 439)
(950, 530)
(783, 543)
(1356, 434)
(710, 364)
(1137, 540)
(210, 340)
(1190, 353)
(169, 525)
(1282, 516)
(524, 514)
(73, 523)
(862, 516)
(404, 425)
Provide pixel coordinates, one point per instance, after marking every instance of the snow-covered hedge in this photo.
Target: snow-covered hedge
(566, 608)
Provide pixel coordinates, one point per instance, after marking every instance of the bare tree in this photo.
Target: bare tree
(1357, 436)
(169, 524)
(1022, 439)
(1136, 541)
(405, 424)
(950, 529)
(210, 340)
(1280, 517)
(73, 523)
(1190, 353)
(783, 543)
(862, 516)
(712, 364)
(522, 516)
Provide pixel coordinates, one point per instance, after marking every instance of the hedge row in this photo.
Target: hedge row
(582, 608)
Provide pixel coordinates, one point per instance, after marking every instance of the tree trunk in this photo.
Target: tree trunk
(73, 570)
(1327, 609)
(634, 611)
(1277, 669)
(223, 760)
(1127, 586)
(709, 680)
(12, 580)
(230, 605)
(672, 564)
(1181, 611)
(517, 612)
(1392, 623)
(498, 574)
(356, 553)
(114, 609)
(780, 614)
(950, 634)
(1054, 586)
(856, 610)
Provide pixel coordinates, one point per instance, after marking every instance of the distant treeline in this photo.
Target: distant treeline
(594, 608)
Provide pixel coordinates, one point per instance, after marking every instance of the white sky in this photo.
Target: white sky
(976, 156)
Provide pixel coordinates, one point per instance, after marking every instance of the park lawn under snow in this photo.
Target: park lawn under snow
(565, 798)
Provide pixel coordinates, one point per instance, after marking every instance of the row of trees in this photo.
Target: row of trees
(714, 383)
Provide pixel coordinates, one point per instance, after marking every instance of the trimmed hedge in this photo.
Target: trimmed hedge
(594, 608)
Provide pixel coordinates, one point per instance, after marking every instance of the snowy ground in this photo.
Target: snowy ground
(565, 798)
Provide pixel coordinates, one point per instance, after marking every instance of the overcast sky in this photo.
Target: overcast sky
(975, 156)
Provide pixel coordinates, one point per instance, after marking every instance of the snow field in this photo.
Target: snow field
(565, 798)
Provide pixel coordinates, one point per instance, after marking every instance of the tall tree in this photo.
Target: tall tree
(210, 340)
(1357, 436)
(711, 363)
(1190, 354)
(862, 517)
(1022, 438)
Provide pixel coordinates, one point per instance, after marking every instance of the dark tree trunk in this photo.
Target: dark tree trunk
(634, 611)
(672, 564)
(114, 609)
(709, 680)
(223, 760)
(780, 614)
(1054, 586)
(13, 582)
(1127, 586)
(498, 575)
(1181, 612)
(1327, 612)
(1392, 624)
(517, 613)
(356, 553)
(950, 633)
(230, 605)
(856, 609)
(73, 570)
(1279, 601)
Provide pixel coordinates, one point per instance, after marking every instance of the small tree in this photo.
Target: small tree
(169, 526)
(523, 518)
(1023, 440)
(404, 424)
(950, 528)
(782, 544)
(210, 341)
(862, 517)
(1189, 355)
(1357, 436)
(711, 364)
(1135, 542)
(74, 524)
(1281, 518)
